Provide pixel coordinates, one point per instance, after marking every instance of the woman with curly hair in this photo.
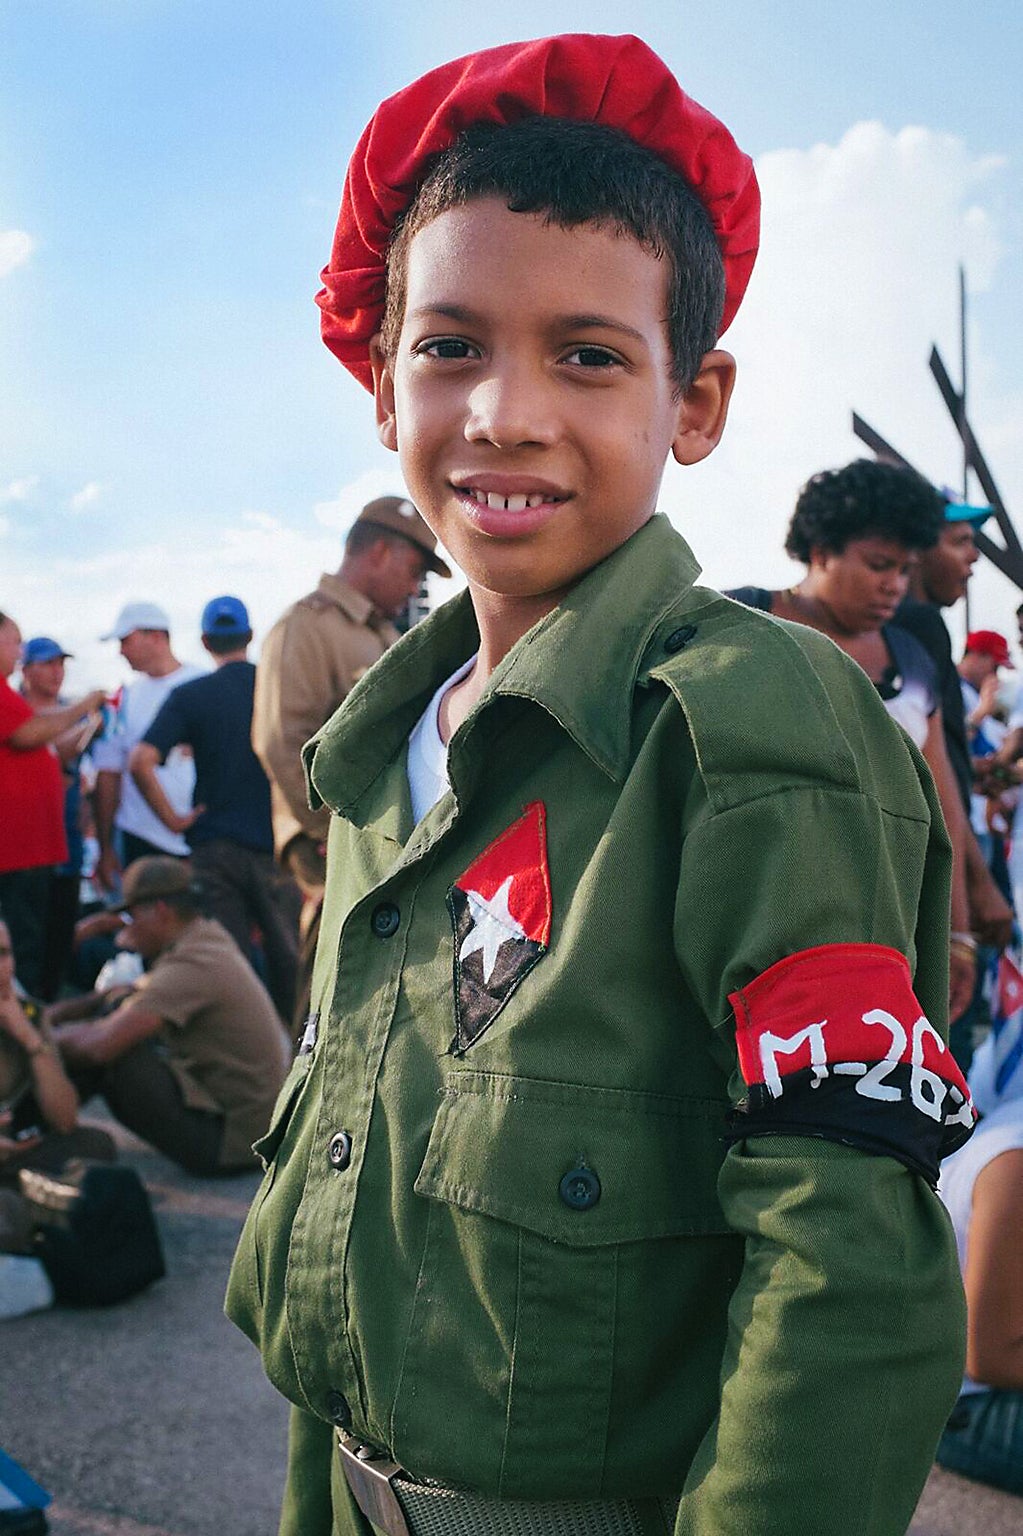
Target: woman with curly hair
(859, 530)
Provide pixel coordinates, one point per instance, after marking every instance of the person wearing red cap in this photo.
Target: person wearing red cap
(600, 1195)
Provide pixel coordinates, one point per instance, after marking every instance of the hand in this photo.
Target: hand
(93, 702)
(15, 1024)
(96, 926)
(991, 915)
(10, 1148)
(962, 974)
(186, 819)
(108, 870)
(988, 695)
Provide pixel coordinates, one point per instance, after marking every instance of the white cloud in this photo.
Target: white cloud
(16, 246)
(857, 277)
(349, 502)
(87, 497)
(18, 490)
(5, 525)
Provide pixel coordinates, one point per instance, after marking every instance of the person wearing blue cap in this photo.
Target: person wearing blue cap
(938, 580)
(228, 830)
(42, 679)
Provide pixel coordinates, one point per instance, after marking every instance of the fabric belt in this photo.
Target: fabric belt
(401, 1505)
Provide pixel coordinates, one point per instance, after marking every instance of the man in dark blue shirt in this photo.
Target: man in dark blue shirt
(228, 830)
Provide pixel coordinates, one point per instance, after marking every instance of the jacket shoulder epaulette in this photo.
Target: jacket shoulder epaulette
(772, 705)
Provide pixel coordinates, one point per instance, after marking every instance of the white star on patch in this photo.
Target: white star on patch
(492, 926)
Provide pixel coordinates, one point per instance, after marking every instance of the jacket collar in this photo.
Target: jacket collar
(344, 596)
(580, 663)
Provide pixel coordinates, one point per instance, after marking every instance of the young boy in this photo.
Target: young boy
(599, 1198)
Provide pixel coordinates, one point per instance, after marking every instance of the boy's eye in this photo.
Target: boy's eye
(592, 357)
(445, 347)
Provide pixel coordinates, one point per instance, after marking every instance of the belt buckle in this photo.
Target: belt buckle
(368, 1474)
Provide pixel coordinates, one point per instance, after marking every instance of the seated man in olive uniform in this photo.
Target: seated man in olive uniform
(600, 1196)
(192, 1060)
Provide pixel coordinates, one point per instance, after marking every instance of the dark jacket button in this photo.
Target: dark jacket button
(386, 920)
(679, 638)
(339, 1150)
(580, 1189)
(338, 1410)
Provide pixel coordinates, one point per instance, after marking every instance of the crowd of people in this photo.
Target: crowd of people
(162, 871)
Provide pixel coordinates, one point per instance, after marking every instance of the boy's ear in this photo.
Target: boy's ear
(383, 395)
(703, 409)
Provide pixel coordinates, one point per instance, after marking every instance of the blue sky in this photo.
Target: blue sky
(170, 424)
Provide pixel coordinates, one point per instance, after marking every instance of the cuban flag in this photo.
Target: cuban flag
(501, 913)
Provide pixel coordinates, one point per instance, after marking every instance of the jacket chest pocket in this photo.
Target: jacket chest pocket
(557, 1217)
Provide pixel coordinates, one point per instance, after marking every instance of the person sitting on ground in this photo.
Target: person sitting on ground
(982, 1187)
(38, 1104)
(858, 530)
(193, 1059)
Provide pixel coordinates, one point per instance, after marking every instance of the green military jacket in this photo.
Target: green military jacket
(508, 1231)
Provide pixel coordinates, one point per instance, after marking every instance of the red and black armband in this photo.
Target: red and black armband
(833, 1043)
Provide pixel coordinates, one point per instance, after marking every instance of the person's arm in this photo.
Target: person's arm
(106, 798)
(991, 916)
(994, 1275)
(962, 955)
(54, 1093)
(84, 1006)
(1010, 750)
(296, 693)
(142, 764)
(93, 1043)
(845, 1341)
(41, 730)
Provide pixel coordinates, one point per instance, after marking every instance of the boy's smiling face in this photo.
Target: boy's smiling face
(531, 397)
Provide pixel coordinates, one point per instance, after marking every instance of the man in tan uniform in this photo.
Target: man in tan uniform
(193, 1059)
(315, 653)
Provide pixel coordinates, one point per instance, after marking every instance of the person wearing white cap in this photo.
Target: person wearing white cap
(143, 630)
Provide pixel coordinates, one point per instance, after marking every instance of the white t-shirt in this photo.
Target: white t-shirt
(983, 741)
(140, 701)
(427, 755)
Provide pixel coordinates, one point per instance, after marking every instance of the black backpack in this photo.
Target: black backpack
(96, 1235)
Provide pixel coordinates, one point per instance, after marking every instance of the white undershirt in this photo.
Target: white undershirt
(428, 754)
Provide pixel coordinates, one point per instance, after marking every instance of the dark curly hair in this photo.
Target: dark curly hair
(866, 499)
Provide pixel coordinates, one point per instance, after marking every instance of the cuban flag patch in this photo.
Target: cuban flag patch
(501, 911)
(833, 1043)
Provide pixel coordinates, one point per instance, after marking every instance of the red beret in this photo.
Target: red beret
(613, 80)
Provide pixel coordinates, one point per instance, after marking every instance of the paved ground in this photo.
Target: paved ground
(154, 1418)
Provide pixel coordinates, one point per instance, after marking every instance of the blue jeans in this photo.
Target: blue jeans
(983, 1439)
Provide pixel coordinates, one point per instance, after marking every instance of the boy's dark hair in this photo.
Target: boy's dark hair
(578, 173)
(865, 499)
(223, 645)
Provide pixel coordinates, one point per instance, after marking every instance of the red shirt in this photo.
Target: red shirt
(31, 795)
